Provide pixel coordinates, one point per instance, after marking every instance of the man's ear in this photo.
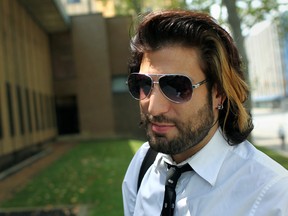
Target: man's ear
(219, 97)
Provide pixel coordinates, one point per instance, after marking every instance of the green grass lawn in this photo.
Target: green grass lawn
(90, 174)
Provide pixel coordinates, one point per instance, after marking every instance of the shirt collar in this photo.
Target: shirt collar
(208, 161)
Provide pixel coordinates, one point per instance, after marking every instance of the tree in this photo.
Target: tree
(136, 7)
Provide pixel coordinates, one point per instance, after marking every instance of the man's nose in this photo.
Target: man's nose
(158, 103)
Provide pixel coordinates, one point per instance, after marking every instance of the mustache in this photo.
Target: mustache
(146, 119)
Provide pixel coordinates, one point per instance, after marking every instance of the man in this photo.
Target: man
(187, 74)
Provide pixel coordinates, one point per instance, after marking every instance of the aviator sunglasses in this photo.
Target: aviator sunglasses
(176, 88)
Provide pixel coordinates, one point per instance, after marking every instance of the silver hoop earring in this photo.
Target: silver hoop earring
(220, 107)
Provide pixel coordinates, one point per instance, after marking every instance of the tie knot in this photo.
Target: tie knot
(184, 168)
(174, 173)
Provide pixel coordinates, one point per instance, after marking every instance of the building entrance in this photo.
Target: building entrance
(67, 115)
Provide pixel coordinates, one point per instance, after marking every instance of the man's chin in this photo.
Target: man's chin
(157, 137)
(159, 142)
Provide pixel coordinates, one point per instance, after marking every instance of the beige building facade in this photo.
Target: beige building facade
(27, 95)
(61, 76)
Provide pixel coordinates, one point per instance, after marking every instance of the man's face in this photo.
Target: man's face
(177, 128)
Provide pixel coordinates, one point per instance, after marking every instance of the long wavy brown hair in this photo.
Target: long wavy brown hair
(219, 60)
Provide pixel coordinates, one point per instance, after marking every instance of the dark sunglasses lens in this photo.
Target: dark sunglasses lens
(177, 88)
(139, 85)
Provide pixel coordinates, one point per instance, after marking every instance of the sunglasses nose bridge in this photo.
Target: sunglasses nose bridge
(155, 82)
(153, 86)
(158, 81)
(159, 86)
(152, 83)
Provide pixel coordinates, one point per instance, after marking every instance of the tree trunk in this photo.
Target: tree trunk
(235, 23)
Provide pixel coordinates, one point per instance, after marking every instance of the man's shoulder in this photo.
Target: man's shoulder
(254, 166)
(140, 154)
(267, 163)
(256, 158)
(142, 151)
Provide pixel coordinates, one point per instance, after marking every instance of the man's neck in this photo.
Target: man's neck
(178, 158)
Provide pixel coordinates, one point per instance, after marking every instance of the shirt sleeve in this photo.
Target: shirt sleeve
(273, 200)
(129, 186)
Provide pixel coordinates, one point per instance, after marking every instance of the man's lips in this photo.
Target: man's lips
(161, 128)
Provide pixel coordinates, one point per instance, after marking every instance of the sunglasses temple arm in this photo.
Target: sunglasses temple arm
(197, 85)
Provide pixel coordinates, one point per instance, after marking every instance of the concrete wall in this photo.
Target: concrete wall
(86, 61)
(26, 93)
(125, 108)
(118, 29)
(90, 47)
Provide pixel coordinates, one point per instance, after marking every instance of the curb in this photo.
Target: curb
(24, 163)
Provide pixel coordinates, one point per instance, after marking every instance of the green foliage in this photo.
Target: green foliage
(252, 12)
(135, 7)
(283, 23)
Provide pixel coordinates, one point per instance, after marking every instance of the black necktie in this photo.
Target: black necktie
(173, 175)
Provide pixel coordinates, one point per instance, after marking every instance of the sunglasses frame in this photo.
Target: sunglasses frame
(159, 76)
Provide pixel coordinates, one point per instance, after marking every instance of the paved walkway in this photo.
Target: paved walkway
(18, 180)
(267, 123)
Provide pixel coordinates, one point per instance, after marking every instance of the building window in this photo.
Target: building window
(42, 101)
(28, 110)
(53, 110)
(20, 110)
(73, 1)
(48, 111)
(36, 111)
(1, 126)
(10, 109)
(119, 84)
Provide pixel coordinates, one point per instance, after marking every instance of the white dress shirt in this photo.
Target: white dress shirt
(226, 181)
